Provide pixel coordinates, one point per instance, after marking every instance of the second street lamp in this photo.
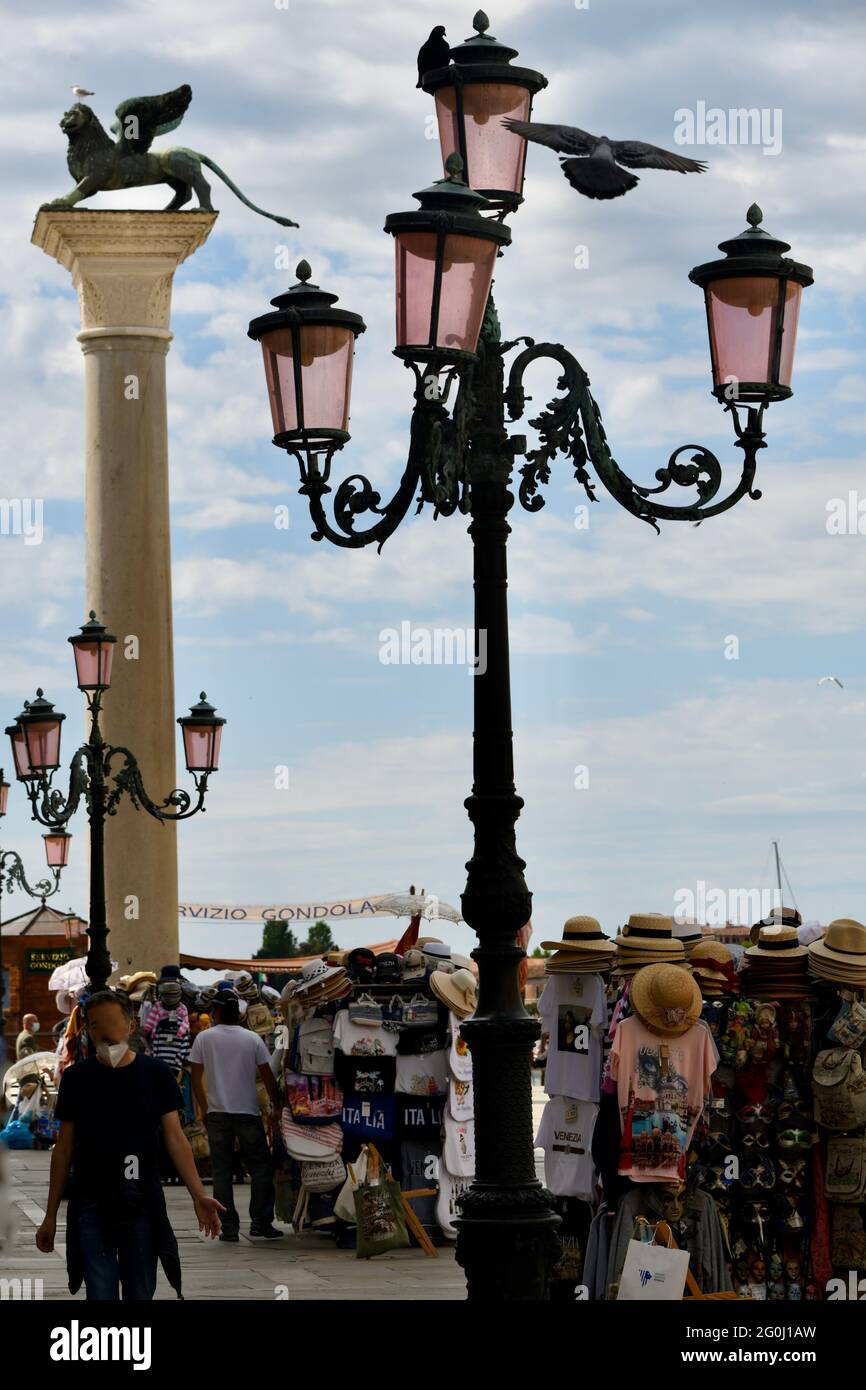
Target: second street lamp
(464, 461)
(101, 774)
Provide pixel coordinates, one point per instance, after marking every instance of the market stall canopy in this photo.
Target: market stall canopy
(288, 965)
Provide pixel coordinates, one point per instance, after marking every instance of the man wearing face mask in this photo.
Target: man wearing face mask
(27, 1042)
(111, 1108)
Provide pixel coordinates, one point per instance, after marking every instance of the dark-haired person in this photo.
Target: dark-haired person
(228, 1059)
(110, 1109)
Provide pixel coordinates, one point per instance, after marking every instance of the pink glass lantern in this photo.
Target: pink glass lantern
(57, 844)
(308, 347)
(753, 308)
(39, 726)
(474, 94)
(202, 732)
(93, 648)
(4, 792)
(445, 255)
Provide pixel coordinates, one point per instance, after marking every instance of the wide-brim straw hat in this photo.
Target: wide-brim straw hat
(139, 980)
(841, 951)
(666, 998)
(775, 945)
(577, 963)
(582, 934)
(459, 991)
(648, 932)
(778, 917)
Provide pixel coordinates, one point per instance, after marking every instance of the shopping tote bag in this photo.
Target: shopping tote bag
(653, 1273)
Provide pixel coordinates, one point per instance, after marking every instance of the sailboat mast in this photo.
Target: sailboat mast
(778, 868)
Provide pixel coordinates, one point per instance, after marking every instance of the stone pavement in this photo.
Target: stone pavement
(307, 1266)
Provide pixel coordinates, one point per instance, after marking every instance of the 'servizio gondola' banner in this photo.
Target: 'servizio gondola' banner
(286, 912)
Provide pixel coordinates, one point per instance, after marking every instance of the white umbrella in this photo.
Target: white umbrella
(422, 904)
(72, 975)
(43, 1062)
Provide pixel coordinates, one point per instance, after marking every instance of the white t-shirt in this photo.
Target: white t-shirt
(447, 1210)
(461, 1102)
(574, 1014)
(423, 1075)
(231, 1057)
(458, 1151)
(565, 1134)
(460, 1058)
(362, 1039)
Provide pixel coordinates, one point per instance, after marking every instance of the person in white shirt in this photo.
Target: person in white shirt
(228, 1059)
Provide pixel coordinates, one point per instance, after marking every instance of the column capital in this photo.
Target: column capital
(122, 262)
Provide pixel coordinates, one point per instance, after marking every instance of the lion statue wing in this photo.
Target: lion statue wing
(139, 119)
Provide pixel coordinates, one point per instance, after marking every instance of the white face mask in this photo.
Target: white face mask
(112, 1053)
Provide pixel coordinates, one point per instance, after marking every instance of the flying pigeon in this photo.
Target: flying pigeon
(831, 678)
(81, 91)
(435, 53)
(594, 169)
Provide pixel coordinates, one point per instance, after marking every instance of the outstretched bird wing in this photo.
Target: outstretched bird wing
(634, 154)
(568, 139)
(140, 119)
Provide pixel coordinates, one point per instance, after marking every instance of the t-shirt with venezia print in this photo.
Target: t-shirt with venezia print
(662, 1083)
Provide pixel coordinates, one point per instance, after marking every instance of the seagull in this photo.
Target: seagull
(435, 53)
(81, 91)
(824, 679)
(594, 169)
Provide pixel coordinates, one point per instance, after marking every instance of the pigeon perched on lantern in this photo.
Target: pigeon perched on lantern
(594, 167)
(435, 53)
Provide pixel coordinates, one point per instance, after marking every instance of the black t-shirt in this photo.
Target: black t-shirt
(116, 1112)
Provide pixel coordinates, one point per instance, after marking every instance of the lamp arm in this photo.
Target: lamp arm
(571, 424)
(12, 867)
(430, 447)
(128, 780)
(48, 804)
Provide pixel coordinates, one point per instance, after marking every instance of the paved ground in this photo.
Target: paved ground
(307, 1266)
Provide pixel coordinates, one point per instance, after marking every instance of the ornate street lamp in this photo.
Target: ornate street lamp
(12, 873)
(753, 306)
(473, 94)
(93, 778)
(463, 460)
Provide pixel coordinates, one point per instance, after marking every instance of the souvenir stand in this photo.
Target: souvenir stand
(372, 1065)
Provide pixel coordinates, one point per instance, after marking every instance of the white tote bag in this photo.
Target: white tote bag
(653, 1273)
(344, 1207)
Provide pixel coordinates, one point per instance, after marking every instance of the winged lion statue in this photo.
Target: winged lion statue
(98, 163)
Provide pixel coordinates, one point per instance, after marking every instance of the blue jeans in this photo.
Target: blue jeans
(117, 1249)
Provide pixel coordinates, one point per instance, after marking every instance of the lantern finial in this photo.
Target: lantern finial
(480, 23)
(303, 270)
(454, 167)
(754, 216)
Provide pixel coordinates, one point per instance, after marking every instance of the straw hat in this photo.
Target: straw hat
(714, 969)
(841, 952)
(582, 934)
(774, 944)
(459, 990)
(649, 932)
(689, 933)
(666, 998)
(579, 963)
(779, 917)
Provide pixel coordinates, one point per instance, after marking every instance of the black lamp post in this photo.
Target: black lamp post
(12, 870)
(463, 461)
(35, 737)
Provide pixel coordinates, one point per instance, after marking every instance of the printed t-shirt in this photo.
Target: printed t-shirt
(461, 1102)
(565, 1134)
(458, 1151)
(370, 1116)
(423, 1075)
(460, 1059)
(362, 1040)
(420, 1117)
(231, 1057)
(419, 1166)
(662, 1083)
(451, 1187)
(573, 1009)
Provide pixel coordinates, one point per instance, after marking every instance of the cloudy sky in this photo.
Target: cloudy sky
(696, 762)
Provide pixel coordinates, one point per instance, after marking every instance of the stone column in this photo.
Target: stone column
(122, 266)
